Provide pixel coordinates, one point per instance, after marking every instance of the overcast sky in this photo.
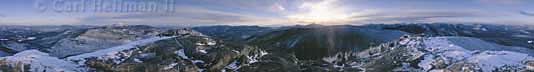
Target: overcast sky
(278, 12)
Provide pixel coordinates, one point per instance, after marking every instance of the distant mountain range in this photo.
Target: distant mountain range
(301, 48)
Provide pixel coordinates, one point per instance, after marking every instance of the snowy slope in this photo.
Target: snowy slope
(113, 53)
(42, 62)
(446, 54)
(446, 50)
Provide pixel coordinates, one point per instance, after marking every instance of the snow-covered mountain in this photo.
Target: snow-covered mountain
(14, 39)
(100, 38)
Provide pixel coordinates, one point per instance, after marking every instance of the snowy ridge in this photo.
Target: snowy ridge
(112, 53)
(42, 62)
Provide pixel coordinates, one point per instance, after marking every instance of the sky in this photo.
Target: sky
(263, 12)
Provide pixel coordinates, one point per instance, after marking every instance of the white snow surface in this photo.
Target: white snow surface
(211, 43)
(31, 38)
(493, 59)
(170, 66)
(181, 54)
(426, 63)
(137, 60)
(42, 62)
(234, 65)
(256, 57)
(197, 61)
(487, 60)
(111, 53)
(203, 51)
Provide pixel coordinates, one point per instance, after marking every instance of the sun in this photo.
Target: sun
(323, 12)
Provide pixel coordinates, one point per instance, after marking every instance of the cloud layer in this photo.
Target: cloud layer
(290, 12)
(526, 13)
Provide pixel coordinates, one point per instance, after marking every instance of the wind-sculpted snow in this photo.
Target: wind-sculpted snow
(41, 62)
(112, 53)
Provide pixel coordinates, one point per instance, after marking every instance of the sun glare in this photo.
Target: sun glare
(323, 12)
